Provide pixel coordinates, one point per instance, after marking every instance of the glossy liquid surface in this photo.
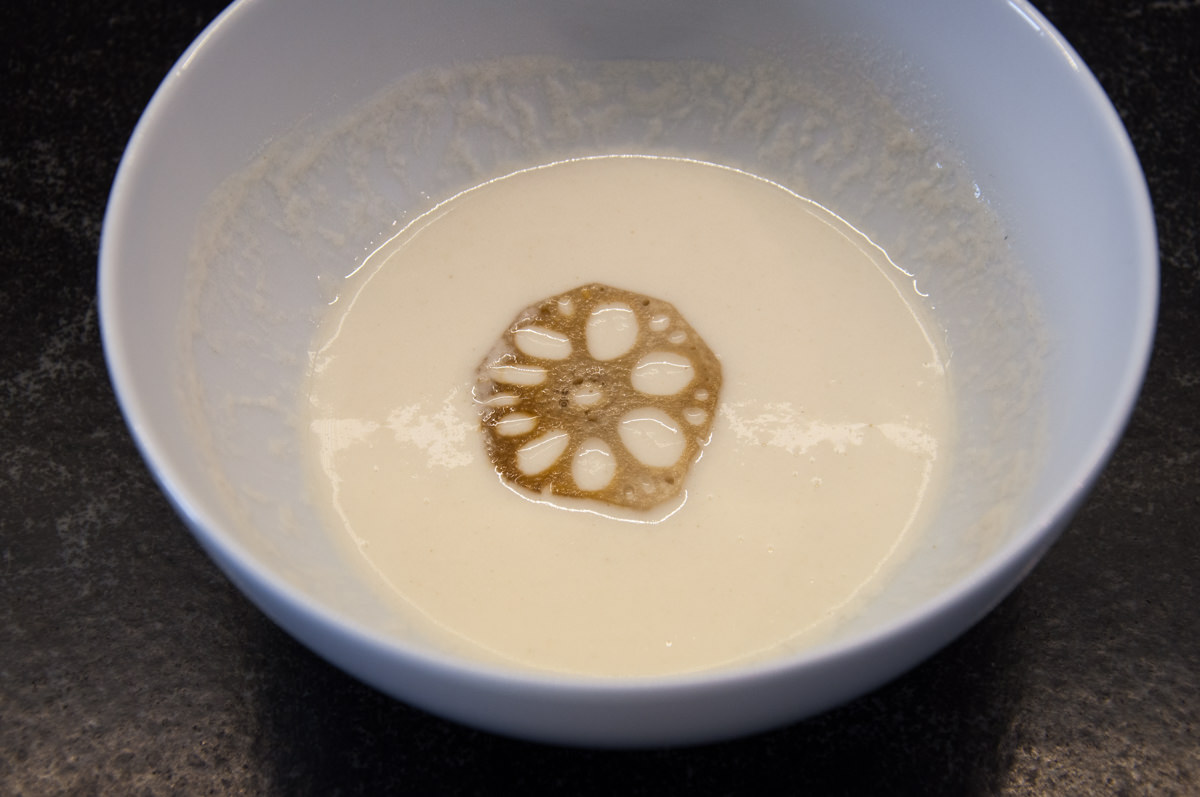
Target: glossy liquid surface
(827, 451)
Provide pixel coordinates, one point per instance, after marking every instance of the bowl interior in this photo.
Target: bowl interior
(292, 139)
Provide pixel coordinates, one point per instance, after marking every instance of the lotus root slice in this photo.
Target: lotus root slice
(598, 393)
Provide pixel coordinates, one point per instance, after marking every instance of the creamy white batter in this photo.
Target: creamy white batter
(833, 421)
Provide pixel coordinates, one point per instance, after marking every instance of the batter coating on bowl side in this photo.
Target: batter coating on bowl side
(598, 393)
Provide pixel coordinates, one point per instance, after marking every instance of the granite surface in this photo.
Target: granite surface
(129, 665)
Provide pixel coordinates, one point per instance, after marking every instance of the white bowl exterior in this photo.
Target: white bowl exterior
(1067, 185)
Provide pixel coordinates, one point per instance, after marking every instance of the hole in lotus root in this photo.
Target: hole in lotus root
(598, 393)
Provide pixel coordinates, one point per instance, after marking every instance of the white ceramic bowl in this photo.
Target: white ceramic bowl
(268, 108)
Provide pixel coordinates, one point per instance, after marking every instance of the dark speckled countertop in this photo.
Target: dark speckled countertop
(129, 665)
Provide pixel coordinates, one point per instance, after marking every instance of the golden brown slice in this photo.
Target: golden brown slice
(598, 393)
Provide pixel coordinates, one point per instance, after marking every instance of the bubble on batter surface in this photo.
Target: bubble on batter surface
(598, 393)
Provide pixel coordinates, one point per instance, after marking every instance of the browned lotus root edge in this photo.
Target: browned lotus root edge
(634, 485)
